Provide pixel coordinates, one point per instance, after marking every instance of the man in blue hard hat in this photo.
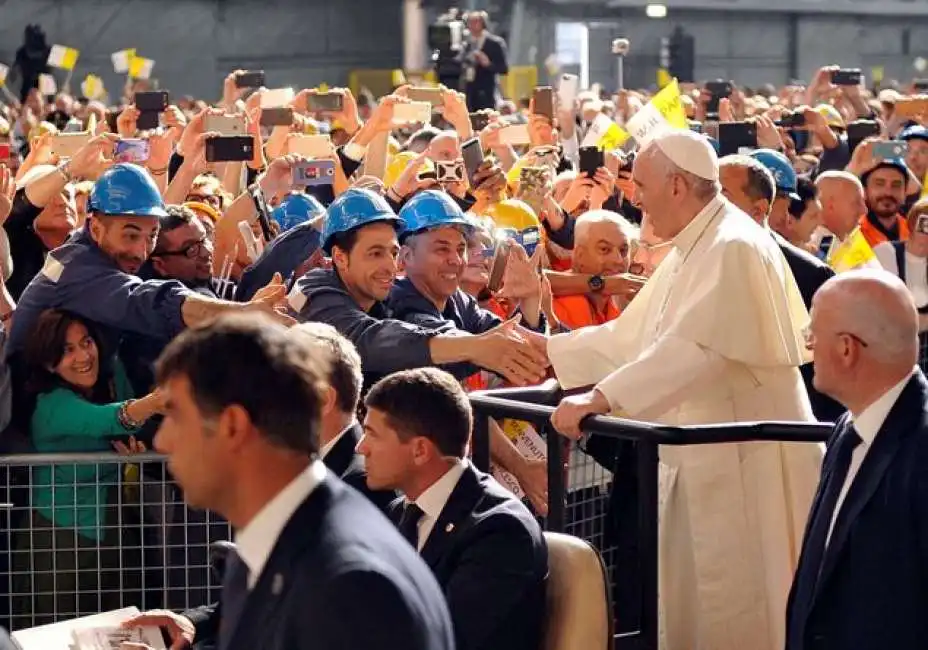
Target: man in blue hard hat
(94, 273)
(360, 234)
(785, 186)
(300, 217)
(916, 158)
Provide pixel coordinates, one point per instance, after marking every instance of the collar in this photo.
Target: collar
(378, 310)
(433, 500)
(871, 420)
(334, 441)
(255, 541)
(891, 233)
(687, 238)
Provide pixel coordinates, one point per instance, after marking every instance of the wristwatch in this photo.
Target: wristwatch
(64, 168)
(597, 283)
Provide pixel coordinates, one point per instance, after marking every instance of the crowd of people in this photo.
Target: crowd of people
(279, 331)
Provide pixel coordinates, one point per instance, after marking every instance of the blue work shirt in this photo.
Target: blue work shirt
(79, 277)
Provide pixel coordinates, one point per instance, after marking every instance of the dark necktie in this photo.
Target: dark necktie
(234, 595)
(409, 523)
(814, 552)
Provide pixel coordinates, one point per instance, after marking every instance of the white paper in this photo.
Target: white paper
(60, 636)
(47, 85)
(121, 61)
(112, 637)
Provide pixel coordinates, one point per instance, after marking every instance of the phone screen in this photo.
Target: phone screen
(498, 269)
(333, 102)
(156, 101)
(250, 79)
(131, 150)
(425, 94)
(544, 101)
(591, 159)
(472, 153)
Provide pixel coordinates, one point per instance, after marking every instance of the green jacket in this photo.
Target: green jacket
(76, 495)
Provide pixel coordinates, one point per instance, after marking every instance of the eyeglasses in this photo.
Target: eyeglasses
(809, 337)
(192, 251)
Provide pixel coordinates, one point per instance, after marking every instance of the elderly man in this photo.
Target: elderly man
(841, 196)
(715, 336)
(860, 582)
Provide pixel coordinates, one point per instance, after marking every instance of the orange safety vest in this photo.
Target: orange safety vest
(875, 236)
(578, 311)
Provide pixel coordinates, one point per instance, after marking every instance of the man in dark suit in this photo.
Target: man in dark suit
(485, 59)
(860, 582)
(482, 543)
(243, 408)
(750, 184)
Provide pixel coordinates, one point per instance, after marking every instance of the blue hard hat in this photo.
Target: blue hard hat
(779, 166)
(355, 208)
(715, 144)
(295, 209)
(432, 209)
(126, 189)
(914, 132)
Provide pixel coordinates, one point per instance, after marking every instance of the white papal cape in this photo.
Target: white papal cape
(715, 336)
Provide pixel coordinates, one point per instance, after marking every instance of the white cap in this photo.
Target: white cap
(689, 151)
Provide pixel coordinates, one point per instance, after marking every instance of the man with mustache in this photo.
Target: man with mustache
(884, 188)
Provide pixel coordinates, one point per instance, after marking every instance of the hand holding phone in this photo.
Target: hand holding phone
(591, 159)
(325, 102)
(890, 150)
(472, 152)
(230, 149)
(132, 150)
(313, 172)
(250, 79)
(543, 101)
(847, 77)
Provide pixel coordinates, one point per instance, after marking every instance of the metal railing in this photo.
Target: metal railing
(536, 405)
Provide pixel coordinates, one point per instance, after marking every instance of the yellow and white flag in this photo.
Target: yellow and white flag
(4, 73)
(140, 67)
(853, 253)
(63, 57)
(664, 112)
(122, 59)
(605, 134)
(92, 87)
(47, 85)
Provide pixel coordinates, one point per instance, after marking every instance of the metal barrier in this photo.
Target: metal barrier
(85, 533)
(535, 405)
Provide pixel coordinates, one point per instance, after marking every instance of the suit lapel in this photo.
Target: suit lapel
(898, 424)
(466, 494)
(342, 455)
(297, 537)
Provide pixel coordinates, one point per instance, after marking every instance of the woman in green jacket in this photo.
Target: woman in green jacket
(80, 406)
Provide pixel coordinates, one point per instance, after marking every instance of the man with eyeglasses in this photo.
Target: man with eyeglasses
(183, 252)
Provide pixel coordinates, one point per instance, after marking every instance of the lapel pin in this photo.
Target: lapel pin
(278, 585)
(449, 528)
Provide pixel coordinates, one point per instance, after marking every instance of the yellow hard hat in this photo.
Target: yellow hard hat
(831, 114)
(398, 165)
(516, 219)
(41, 129)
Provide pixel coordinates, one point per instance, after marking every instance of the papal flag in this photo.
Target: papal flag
(140, 67)
(63, 57)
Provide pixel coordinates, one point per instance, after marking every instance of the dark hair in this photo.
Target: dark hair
(343, 360)
(45, 348)
(760, 183)
(805, 188)
(177, 217)
(425, 402)
(346, 240)
(248, 360)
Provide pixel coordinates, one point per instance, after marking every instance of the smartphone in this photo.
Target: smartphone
(544, 101)
(148, 120)
(921, 225)
(860, 129)
(227, 125)
(277, 116)
(847, 77)
(412, 112)
(498, 268)
(567, 90)
(65, 145)
(132, 150)
(325, 103)
(514, 134)
(426, 94)
(717, 90)
(310, 146)
(230, 148)
(479, 121)
(532, 180)
(314, 172)
(250, 79)
(591, 159)
(735, 137)
(276, 98)
(155, 101)
(792, 121)
(472, 152)
(6, 151)
(449, 171)
(890, 149)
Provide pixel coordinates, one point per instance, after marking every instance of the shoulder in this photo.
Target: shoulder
(500, 510)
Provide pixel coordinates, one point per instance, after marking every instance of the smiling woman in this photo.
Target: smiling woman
(79, 406)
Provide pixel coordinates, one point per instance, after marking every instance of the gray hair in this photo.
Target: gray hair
(760, 182)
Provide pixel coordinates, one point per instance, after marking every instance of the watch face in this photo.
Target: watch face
(596, 283)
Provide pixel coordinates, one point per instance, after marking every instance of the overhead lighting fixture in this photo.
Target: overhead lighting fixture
(656, 11)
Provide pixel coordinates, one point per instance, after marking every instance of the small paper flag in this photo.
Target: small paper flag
(92, 87)
(122, 59)
(398, 78)
(323, 88)
(140, 67)
(4, 71)
(47, 85)
(63, 57)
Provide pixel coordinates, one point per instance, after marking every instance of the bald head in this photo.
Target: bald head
(841, 196)
(446, 147)
(877, 307)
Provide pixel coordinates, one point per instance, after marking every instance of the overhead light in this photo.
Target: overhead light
(656, 11)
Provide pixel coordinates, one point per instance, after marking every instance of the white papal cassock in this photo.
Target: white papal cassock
(714, 336)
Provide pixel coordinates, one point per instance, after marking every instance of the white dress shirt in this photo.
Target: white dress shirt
(433, 500)
(867, 424)
(256, 540)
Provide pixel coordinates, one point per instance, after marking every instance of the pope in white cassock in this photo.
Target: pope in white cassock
(714, 336)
